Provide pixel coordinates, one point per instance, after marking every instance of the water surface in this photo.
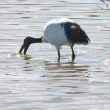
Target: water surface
(37, 81)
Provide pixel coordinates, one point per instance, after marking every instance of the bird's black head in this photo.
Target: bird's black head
(27, 41)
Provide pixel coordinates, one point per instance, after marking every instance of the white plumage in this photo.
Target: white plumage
(54, 32)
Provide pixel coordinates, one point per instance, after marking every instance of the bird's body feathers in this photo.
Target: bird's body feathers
(63, 31)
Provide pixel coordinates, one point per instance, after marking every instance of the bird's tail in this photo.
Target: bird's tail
(83, 37)
(80, 36)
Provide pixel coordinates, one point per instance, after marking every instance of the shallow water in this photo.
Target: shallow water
(37, 81)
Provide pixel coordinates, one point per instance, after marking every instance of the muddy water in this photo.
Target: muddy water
(37, 81)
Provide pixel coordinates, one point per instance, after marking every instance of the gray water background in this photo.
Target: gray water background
(37, 81)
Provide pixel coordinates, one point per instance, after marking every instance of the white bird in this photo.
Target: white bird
(59, 32)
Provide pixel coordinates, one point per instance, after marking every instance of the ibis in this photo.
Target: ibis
(59, 32)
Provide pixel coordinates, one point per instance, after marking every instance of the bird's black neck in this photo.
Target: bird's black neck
(35, 40)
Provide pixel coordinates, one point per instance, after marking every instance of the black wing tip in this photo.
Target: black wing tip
(87, 40)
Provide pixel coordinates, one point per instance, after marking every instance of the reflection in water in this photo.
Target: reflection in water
(65, 69)
(27, 57)
(54, 68)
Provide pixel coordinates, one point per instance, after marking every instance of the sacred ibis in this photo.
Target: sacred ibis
(59, 32)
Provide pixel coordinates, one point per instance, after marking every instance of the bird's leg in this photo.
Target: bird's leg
(73, 55)
(58, 51)
(27, 42)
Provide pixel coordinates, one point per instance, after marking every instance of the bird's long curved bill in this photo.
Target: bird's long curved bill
(24, 47)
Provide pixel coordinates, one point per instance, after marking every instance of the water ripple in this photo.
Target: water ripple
(37, 81)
